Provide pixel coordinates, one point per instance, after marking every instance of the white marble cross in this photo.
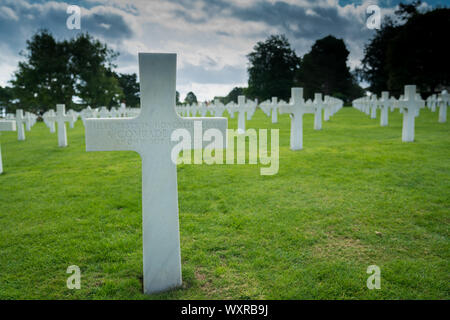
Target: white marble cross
(6, 125)
(384, 103)
(28, 121)
(149, 134)
(104, 113)
(296, 108)
(373, 106)
(20, 121)
(218, 108)
(49, 121)
(73, 117)
(411, 106)
(245, 109)
(445, 100)
(271, 107)
(318, 105)
(61, 118)
(202, 109)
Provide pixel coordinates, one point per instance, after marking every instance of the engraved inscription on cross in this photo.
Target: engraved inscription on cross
(149, 134)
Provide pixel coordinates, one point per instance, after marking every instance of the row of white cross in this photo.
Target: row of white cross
(149, 134)
(296, 107)
(409, 104)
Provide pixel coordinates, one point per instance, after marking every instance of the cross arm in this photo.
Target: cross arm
(120, 134)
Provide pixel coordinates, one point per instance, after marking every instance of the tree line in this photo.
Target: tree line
(409, 48)
(77, 72)
(274, 68)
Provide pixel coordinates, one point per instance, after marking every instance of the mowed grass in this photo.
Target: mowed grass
(355, 196)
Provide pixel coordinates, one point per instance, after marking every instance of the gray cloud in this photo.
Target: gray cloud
(203, 75)
(211, 37)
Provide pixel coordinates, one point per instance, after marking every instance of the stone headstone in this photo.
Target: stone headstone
(6, 125)
(296, 108)
(384, 104)
(245, 109)
(318, 106)
(373, 106)
(104, 113)
(445, 100)
(73, 116)
(218, 108)
(270, 108)
(410, 105)
(28, 121)
(149, 134)
(20, 121)
(61, 118)
(49, 120)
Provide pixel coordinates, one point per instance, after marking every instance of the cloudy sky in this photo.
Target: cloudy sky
(211, 37)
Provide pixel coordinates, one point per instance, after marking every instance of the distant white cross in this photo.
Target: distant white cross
(271, 106)
(28, 121)
(48, 120)
(20, 121)
(318, 106)
(245, 109)
(61, 118)
(384, 103)
(6, 125)
(373, 106)
(149, 134)
(411, 105)
(296, 108)
(73, 118)
(218, 108)
(445, 100)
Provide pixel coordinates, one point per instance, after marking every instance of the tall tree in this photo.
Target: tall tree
(57, 71)
(324, 69)
(44, 78)
(233, 95)
(374, 64)
(130, 88)
(272, 67)
(7, 99)
(190, 98)
(409, 49)
(91, 64)
(416, 54)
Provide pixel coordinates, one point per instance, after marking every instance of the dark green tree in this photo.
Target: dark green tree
(324, 70)
(57, 71)
(44, 78)
(233, 95)
(408, 50)
(130, 87)
(7, 99)
(374, 64)
(272, 68)
(416, 54)
(190, 98)
(92, 66)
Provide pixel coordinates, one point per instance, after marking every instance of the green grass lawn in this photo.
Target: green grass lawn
(355, 196)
